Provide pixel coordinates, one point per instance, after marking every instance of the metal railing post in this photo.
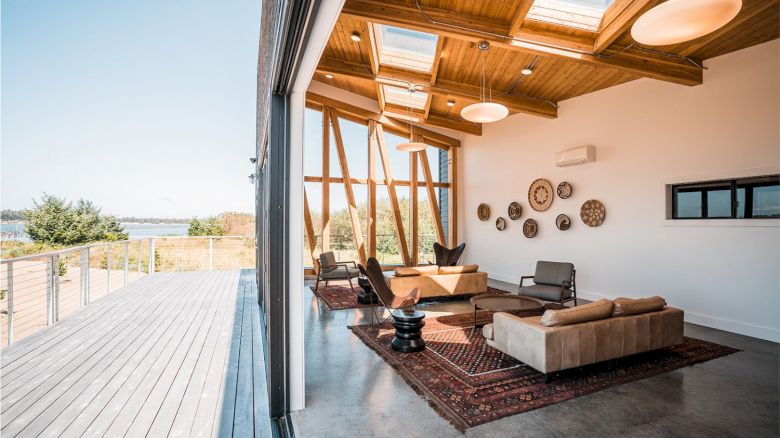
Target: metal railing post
(211, 253)
(108, 268)
(87, 277)
(140, 256)
(10, 303)
(151, 256)
(127, 261)
(49, 291)
(56, 303)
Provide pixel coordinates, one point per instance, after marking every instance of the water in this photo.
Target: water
(15, 231)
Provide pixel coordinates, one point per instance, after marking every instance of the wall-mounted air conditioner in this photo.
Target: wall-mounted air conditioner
(578, 155)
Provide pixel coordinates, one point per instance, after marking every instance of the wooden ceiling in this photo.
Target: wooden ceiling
(566, 61)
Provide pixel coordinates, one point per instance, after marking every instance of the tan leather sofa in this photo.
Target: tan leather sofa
(435, 281)
(587, 334)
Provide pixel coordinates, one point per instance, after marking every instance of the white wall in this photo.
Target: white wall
(647, 133)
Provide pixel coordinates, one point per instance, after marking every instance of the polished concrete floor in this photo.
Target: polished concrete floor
(352, 392)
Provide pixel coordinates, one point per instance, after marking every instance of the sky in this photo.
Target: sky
(146, 108)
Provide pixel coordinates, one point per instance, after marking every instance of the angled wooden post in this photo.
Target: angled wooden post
(371, 188)
(426, 168)
(413, 209)
(325, 179)
(310, 231)
(379, 137)
(353, 211)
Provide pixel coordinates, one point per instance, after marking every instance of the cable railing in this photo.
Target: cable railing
(38, 290)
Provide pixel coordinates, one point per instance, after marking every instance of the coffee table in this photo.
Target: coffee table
(504, 303)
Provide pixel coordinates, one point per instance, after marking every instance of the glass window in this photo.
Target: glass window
(688, 205)
(582, 14)
(405, 48)
(312, 137)
(743, 198)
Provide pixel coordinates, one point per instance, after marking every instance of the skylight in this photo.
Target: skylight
(404, 48)
(582, 14)
(401, 97)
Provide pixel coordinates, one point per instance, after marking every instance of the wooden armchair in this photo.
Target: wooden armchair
(331, 270)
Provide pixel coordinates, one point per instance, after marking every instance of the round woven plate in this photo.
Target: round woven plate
(563, 222)
(530, 228)
(540, 194)
(500, 224)
(483, 212)
(564, 190)
(515, 211)
(593, 213)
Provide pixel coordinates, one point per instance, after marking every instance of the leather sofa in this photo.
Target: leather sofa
(439, 281)
(586, 334)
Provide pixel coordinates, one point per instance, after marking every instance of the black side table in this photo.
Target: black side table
(367, 295)
(408, 327)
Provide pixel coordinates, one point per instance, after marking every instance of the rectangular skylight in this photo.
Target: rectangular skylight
(401, 97)
(404, 48)
(581, 14)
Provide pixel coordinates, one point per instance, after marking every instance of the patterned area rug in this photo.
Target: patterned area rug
(470, 383)
(339, 297)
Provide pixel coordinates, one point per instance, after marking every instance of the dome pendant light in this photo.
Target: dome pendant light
(677, 21)
(484, 111)
(411, 145)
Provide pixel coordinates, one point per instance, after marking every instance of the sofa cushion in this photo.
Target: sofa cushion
(545, 292)
(553, 273)
(634, 306)
(465, 269)
(587, 312)
(487, 331)
(417, 270)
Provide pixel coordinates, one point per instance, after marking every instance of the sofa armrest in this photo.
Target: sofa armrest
(522, 338)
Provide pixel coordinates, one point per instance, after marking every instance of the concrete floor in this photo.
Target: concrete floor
(352, 392)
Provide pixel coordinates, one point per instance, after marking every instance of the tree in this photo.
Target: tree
(55, 221)
(207, 227)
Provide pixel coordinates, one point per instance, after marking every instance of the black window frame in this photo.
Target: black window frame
(733, 185)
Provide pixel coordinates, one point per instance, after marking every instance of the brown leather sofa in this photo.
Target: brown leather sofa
(439, 281)
(586, 334)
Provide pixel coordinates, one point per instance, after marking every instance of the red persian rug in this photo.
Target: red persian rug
(470, 383)
(339, 297)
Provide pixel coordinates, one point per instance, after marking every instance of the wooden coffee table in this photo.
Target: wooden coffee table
(504, 303)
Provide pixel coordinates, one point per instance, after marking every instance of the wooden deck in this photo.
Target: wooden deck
(173, 354)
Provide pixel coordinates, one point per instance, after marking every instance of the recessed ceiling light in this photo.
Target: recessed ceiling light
(450, 103)
(355, 37)
(526, 71)
(329, 76)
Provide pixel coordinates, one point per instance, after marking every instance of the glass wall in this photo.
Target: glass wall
(327, 194)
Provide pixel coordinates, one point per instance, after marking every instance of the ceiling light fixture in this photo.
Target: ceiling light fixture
(677, 21)
(411, 145)
(484, 111)
(355, 37)
(450, 103)
(526, 71)
(328, 75)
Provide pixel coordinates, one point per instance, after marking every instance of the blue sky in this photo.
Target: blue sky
(145, 107)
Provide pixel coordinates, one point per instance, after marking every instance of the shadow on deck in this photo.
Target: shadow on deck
(173, 354)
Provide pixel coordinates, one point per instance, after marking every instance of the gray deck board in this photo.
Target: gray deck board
(172, 354)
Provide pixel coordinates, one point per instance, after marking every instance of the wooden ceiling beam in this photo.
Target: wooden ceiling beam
(519, 16)
(435, 139)
(475, 29)
(445, 89)
(618, 18)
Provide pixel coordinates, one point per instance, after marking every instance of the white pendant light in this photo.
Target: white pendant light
(677, 21)
(484, 111)
(411, 145)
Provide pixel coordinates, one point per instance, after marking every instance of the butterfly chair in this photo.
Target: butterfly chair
(391, 301)
(446, 256)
